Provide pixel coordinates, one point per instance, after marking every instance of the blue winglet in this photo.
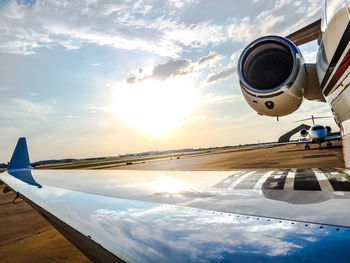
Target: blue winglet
(20, 157)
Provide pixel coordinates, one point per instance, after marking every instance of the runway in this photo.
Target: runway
(26, 237)
(288, 156)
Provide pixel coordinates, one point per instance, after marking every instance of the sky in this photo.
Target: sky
(101, 78)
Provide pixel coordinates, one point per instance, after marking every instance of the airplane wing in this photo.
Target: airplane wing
(333, 137)
(307, 140)
(306, 34)
(199, 216)
(303, 140)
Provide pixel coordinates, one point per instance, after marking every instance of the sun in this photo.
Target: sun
(157, 107)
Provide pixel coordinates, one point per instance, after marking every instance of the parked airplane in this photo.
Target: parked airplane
(317, 134)
(274, 78)
(227, 216)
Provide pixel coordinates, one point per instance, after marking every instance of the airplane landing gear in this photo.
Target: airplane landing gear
(329, 145)
(307, 146)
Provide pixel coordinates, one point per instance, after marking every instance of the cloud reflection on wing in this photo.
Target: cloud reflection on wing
(191, 233)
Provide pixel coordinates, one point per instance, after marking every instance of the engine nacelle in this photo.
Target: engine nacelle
(272, 76)
(304, 133)
(329, 129)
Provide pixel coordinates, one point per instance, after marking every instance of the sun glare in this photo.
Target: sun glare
(154, 106)
(169, 185)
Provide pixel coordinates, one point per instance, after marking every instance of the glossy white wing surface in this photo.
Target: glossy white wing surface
(147, 216)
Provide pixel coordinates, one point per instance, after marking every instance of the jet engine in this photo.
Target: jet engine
(329, 129)
(272, 76)
(304, 133)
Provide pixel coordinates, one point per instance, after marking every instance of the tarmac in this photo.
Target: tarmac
(288, 156)
(27, 237)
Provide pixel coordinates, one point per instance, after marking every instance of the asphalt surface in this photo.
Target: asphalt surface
(288, 156)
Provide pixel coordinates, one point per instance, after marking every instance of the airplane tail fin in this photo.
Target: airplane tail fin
(314, 118)
(20, 157)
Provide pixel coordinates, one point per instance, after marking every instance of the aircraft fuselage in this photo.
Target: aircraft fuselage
(318, 133)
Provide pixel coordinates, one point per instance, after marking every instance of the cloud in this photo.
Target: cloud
(248, 29)
(222, 98)
(71, 116)
(86, 34)
(129, 25)
(210, 57)
(197, 36)
(170, 69)
(222, 75)
(310, 56)
(21, 41)
(235, 56)
(161, 72)
(140, 26)
(281, 3)
(131, 79)
(286, 17)
(95, 109)
(17, 109)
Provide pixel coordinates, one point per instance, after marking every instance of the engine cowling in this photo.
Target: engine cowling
(304, 133)
(272, 76)
(329, 129)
